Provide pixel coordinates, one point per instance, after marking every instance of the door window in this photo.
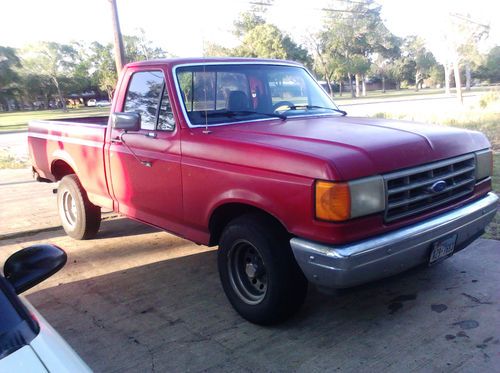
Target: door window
(166, 121)
(147, 95)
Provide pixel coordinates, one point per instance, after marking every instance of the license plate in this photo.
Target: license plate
(442, 249)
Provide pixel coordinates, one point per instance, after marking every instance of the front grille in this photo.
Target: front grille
(408, 192)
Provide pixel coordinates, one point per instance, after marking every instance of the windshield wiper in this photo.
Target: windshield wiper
(234, 113)
(299, 107)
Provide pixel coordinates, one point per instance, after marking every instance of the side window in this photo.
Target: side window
(147, 96)
(166, 121)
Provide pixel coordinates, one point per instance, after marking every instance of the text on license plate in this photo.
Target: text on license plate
(442, 248)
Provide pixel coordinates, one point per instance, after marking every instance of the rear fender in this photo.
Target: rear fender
(62, 155)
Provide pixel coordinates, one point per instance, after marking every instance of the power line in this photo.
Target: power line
(345, 11)
(331, 10)
(468, 19)
(270, 4)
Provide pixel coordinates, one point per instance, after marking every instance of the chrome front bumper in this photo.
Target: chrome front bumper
(385, 255)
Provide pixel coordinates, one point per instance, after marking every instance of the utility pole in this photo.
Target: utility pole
(119, 50)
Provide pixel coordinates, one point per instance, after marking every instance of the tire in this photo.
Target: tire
(79, 217)
(258, 272)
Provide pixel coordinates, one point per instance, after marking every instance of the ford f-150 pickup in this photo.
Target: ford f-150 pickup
(252, 155)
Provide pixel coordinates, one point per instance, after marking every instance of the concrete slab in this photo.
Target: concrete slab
(27, 206)
(136, 299)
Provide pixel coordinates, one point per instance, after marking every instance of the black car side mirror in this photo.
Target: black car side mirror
(126, 121)
(31, 265)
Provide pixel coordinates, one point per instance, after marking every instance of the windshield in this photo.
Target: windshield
(228, 93)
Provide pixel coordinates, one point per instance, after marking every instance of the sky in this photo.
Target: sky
(182, 27)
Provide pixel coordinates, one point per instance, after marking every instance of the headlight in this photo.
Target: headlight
(343, 201)
(484, 164)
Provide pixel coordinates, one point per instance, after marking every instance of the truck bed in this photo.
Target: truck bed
(77, 143)
(101, 121)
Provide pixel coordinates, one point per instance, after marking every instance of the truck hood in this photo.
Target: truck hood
(353, 147)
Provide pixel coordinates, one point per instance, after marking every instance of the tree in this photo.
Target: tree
(9, 61)
(52, 60)
(469, 33)
(139, 48)
(102, 64)
(436, 75)
(386, 57)
(352, 33)
(247, 21)
(458, 48)
(331, 67)
(35, 87)
(267, 41)
(414, 49)
(259, 39)
(491, 67)
(81, 78)
(380, 68)
(103, 67)
(216, 50)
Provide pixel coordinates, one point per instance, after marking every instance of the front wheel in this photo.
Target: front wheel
(79, 217)
(258, 271)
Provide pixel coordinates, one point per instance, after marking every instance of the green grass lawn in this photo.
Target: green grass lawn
(405, 93)
(483, 120)
(11, 162)
(481, 114)
(493, 230)
(14, 121)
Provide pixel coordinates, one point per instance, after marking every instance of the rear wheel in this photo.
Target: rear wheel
(258, 271)
(79, 217)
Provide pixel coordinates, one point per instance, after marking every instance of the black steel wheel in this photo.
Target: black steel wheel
(247, 272)
(258, 272)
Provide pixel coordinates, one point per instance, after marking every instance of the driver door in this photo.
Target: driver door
(145, 165)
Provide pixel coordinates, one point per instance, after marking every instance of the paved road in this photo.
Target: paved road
(137, 299)
(414, 106)
(15, 143)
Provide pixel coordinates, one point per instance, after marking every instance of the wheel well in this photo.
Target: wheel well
(60, 169)
(225, 213)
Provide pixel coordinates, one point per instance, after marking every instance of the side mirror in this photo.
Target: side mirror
(126, 121)
(31, 265)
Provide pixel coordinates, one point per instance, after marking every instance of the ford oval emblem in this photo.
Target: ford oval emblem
(437, 187)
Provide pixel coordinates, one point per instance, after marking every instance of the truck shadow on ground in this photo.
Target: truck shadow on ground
(120, 227)
(172, 315)
(110, 228)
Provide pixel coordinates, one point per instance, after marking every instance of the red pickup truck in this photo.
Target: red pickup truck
(253, 156)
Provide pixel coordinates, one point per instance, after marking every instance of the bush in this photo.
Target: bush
(487, 99)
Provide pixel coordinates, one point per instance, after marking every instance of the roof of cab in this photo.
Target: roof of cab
(210, 60)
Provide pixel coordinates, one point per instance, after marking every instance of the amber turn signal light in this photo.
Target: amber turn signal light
(333, 201)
